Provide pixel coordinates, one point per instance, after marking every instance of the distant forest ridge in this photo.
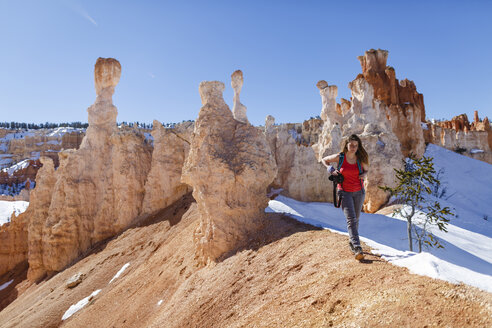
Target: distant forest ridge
(76, 125)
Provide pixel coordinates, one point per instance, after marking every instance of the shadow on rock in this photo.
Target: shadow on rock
(173, 214)
(10, 292)
(276, 226)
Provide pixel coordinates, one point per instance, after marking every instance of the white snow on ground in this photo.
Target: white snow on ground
(17, 135)
(8, 207)
(123, 268)
(5, 285)
(4, 142)
(77, 307)
(17, 166)
(159, 303)
(467, 253)
(59, 132)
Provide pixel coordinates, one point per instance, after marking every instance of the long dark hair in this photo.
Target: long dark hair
(361, 153)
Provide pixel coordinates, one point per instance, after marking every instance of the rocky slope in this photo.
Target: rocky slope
(291, 275)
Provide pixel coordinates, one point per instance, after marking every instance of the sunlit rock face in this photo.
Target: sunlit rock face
(400, 100)
(37, 212)
(300, 175)
(385, 113)
(331, 134)
(99, 188)
(13, 243)
(229, 166)
(366, 117)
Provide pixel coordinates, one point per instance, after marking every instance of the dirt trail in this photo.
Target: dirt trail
(292, 275)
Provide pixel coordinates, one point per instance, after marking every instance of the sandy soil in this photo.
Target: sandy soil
(290, 275)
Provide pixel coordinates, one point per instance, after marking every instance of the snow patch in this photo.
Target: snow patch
(8, 207)
(59, 132)
(159, 303)
(5, 285)
(476, 151)
(77, 307)
(459, 261)
(18, 166)
(123, 268)
(467, 253)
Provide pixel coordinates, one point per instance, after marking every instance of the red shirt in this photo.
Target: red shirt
(351, 180)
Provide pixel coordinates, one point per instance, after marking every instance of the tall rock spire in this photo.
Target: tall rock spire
(238, 110)
(229, 166)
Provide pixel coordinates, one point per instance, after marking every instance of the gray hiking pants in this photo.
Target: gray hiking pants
(352, 205)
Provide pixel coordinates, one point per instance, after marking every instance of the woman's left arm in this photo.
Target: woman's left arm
(365, 169)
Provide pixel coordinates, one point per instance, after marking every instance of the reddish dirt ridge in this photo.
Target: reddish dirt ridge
(290, 275)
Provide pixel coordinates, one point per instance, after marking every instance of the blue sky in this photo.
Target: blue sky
(166, 48)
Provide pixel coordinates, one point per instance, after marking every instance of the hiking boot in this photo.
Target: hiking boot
(359, 255)
(352, 248)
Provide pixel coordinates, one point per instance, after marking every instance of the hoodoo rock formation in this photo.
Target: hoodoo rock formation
(300, 175)
(385, 112)
(22, 237)
(20, 145)
(99, 188)
(25, 174)
(367, 118)
(13, 243)
(403, 105)
(37, 212)
(164, 186)
(20, 151)
(119, 180)
(229, 167)
(331, 134)
(238, 110)
(458, 134)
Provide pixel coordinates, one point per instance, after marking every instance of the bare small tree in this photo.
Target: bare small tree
(416, 182)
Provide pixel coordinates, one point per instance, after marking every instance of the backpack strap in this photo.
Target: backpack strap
(341, 157)
(359, 166)
(360, 172)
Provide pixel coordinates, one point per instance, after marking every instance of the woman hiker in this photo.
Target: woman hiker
(353, 165)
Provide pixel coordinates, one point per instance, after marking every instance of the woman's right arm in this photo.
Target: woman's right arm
(330, 159)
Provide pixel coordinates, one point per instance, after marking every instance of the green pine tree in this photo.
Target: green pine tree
(416, 183)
